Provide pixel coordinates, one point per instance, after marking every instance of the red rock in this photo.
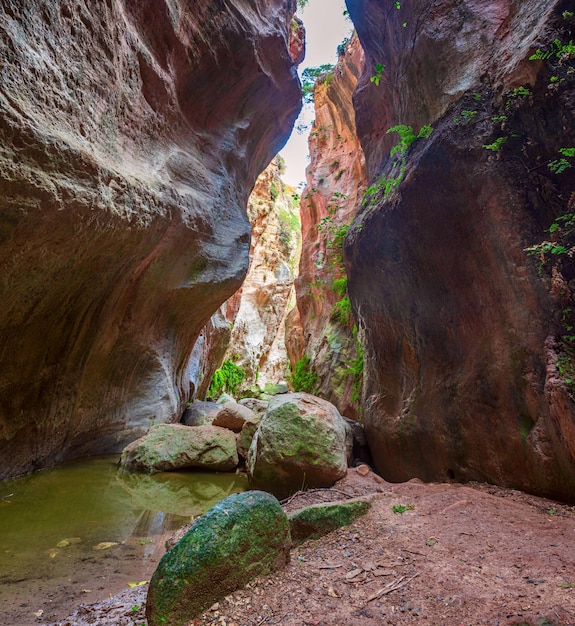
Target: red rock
(131, 134)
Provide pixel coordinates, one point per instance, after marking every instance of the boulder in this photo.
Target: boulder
(233, 416)
(255, 404)
(320, 519)
(246, 436)
(242, 537)
(174, 446)
(200, 413)
(302, 441)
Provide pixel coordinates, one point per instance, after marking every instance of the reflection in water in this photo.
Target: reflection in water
(55, 521)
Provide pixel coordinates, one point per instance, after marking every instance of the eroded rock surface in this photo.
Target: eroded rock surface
(130, 137)
(322, 326)
(460, 324)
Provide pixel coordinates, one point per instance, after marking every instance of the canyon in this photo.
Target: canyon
(427, 305)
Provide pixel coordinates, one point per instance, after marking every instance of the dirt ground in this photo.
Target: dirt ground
(457, 555)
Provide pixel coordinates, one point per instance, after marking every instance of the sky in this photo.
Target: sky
(326, 27)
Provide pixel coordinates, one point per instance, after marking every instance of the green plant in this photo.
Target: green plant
(556, 49)
(496, 145)
(342, 312)
(226, 379)
(136, 608)
(274, 192)
(376, 78)
(386, 184)
(401, 508)
(303, 377)
(312, 76)
(466, 115)
(519, 92)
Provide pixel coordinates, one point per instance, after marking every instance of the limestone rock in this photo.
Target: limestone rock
(233, 416)
(242, 537)
(174, 446)
(130, 136)
(200, 413)
(317, 520)
(302, 441)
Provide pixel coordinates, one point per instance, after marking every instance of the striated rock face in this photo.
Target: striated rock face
(468, 356)
(257, 342)
(130, 136)
(322, 325)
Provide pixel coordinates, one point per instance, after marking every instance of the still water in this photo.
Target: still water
(78, 532)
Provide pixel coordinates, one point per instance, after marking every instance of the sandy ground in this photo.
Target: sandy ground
(457, 555)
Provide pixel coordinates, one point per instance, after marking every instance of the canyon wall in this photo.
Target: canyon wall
(131, 134)
(463, 300)
(322, 327)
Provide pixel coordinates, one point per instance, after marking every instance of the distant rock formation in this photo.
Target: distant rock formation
(249, 328)
(322, 327)
(131, 134)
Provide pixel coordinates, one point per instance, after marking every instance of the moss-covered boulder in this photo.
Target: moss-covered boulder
(246, 435)
(174, 446)
(320, 519)
(242, 537)
(301, 442)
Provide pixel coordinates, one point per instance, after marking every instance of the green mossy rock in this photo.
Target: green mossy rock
(242, 537)
(321, 519)
(174, 446)
(301, 442)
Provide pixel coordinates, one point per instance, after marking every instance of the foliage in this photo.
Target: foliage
(378, 69)
(496, 145)
(303, 377)
(226, 379)
(342, 47)
(519, 92)
(301, 4)
(556, 49)
(339, 285)
(274, 191)
(312, 76)
(342, 312)
(466, 115)
(402, 508)
(288, 225)
(386, 184)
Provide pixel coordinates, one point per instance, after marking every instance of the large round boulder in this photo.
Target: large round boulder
(174, 446)
(242, 537)
(302, 441)
(233, 416)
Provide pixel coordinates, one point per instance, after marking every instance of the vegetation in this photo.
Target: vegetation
(386, 184)
(402, 508)
(312, 76)
(496, 145)
(226, 379)
(303, 377)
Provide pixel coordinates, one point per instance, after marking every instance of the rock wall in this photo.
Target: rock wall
(322, 326)
(130, 136)
(249, 328)
(469, 352)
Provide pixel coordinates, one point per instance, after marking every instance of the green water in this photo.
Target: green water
(53, 524)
